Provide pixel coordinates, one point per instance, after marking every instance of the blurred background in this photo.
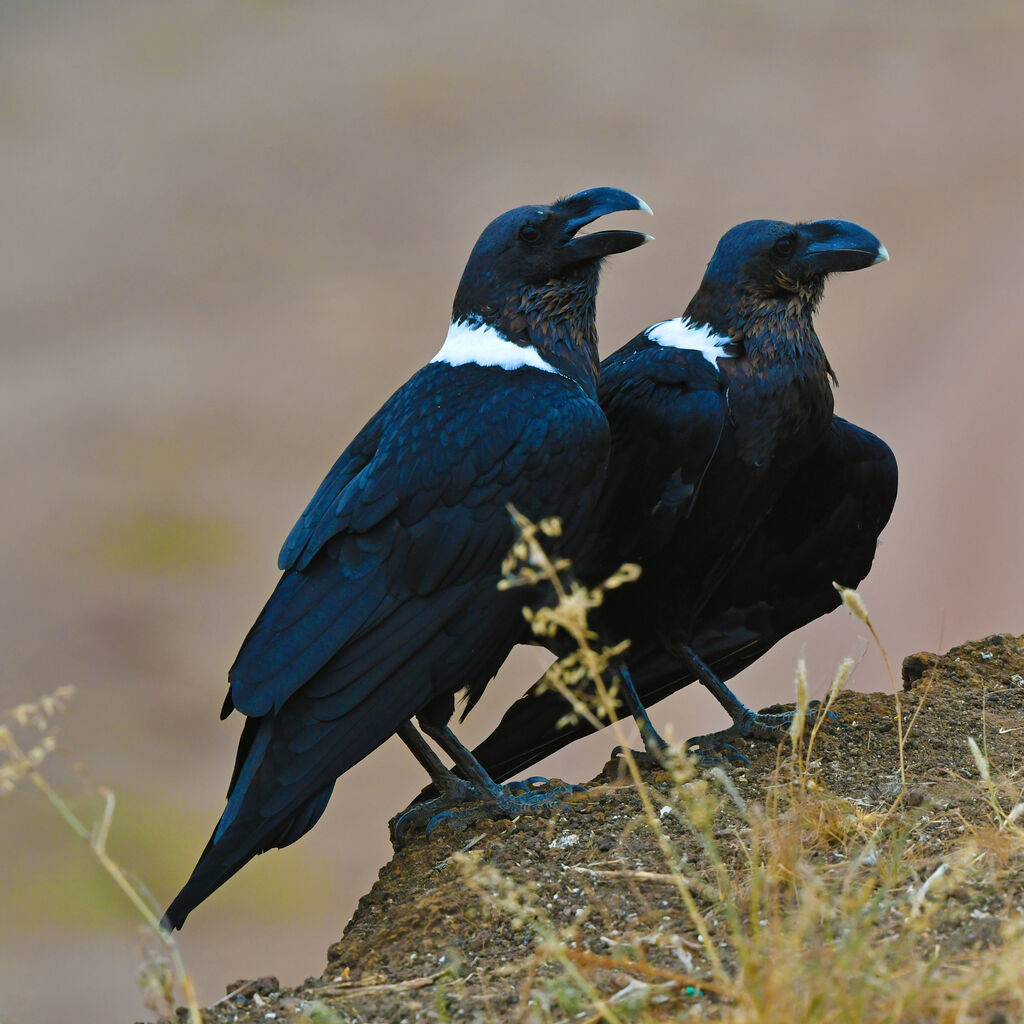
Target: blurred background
(231, 230)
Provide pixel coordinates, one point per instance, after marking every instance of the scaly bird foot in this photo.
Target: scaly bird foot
(539, 785)
(646, 760)
(714, 748)
(774, 727)
(450, 809)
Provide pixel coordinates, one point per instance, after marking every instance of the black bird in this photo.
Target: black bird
(824, 527)
(729, 480)
(389, 599)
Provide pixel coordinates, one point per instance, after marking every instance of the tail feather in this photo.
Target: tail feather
(229, 853)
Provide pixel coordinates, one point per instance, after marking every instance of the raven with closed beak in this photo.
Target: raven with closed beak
(730, 481)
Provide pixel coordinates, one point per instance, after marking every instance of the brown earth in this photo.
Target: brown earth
(426, 944)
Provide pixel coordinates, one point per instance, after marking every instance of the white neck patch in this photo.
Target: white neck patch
(681, 333)
(469, 342)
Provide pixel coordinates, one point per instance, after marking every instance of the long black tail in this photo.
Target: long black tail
(221, 858)
(284, 774)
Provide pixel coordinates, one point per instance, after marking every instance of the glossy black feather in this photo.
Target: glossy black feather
(392, 610)
(730, 481)
(389, 603)
(824, 527)
(655, 469)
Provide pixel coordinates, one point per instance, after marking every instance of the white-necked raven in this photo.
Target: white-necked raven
(389, 600)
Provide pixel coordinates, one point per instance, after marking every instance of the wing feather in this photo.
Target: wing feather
(414, 537)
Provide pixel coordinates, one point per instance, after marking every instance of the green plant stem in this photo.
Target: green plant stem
(97, 843)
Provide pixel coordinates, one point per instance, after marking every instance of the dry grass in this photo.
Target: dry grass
(805, 908)
(27, 737)
(787, 901)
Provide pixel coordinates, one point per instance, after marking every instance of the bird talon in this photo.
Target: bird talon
(451, 810)
(512, 804)
(553, 796)
(654, 760)
(734, 756)
(403, 825)
(712, 750)
(814, 713)
(522, 786)
(716, 748)
(457, 821)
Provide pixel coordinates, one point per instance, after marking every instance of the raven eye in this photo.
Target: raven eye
(529, 234)
(784, 247)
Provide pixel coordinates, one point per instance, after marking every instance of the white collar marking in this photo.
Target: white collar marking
(469, 342)
(681, 333)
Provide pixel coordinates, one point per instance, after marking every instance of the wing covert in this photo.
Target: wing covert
(417, 521)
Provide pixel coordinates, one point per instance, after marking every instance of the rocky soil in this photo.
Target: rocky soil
(449, 937)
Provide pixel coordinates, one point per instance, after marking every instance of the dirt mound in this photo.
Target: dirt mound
(442, 936)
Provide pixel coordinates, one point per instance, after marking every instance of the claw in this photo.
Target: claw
(644, 759)
(712, 749)
(455, 820)
(814, 712)
(553, 797)
(404, 824)
(450, 810)
(538, 787)
(529, 785)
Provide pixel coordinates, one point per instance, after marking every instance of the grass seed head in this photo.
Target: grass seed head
(854, 602)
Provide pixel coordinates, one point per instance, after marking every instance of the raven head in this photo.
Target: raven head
(760, 262)
(538, 245)
(534, 278)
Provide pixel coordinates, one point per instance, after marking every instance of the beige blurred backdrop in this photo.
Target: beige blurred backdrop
(231, 230)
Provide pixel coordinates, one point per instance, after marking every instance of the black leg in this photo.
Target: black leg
(653, 743)
(443, 778)
(734, 707)
(476, 786)
(745, 723)
(511, 799)
(471, 769)
(452, 791)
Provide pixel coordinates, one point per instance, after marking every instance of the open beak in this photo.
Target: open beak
(585, 207)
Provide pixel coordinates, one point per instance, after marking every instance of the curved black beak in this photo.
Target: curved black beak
(839, 245)
(585, 207)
